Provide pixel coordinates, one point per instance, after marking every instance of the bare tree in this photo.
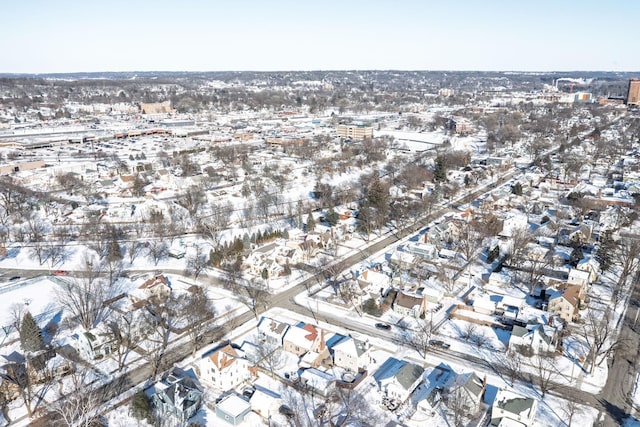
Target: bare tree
(195, 309)
(270, 357)
(456, 406)
(571, 409)
(17, 374)
(197, 263)
(123, 333)
(157, 250)
(468, 241)
(512, 362)
(192, 199)
(600, 335)
(546, 371)
(520, 237)
(212, 225)
(36, 230)
(252, 295)
(160, 321)
(627, 255)
(133, 249)
(78, 403)
(85, 297)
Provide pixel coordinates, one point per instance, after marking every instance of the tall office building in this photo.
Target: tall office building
(633, 95)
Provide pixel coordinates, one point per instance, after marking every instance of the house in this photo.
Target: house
(579, 277)
(302, 338)
(535, 338)
(468, 391)
(397, 379)
(319, 382)
(350, 354)
(272, 331)
(178, 394)
(509, 406)
(157, 288)
(565, 302)
(423, 250)
(591, 266)
(409, 305)
(224, 368)
(513, 222)
(372, 281)
(265, 402)
(232, 409)
(499, 280)
(402, 259)
(484, 305)
(428, 395)
(93, 344)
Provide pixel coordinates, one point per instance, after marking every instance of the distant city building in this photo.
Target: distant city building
(355, 131)
(156, 107)
(633, 95)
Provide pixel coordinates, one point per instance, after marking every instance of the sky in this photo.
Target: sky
(44, 36)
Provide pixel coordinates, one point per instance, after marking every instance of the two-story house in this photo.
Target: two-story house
(272, 331)
(224, 368)
(351, 354)
(397, 379)
(509, 406)
(409, 305)
(178, 395)
(565, 302)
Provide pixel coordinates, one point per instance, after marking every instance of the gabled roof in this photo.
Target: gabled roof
(472, 383)
(224, 357)
(407, 301)
(408, 374)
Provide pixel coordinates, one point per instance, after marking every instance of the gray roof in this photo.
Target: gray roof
(408, 374)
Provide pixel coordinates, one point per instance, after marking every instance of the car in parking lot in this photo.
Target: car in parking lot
(383, 326)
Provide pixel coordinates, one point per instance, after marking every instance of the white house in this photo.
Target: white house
(93, 344)
(484, 305)
(351, 354)
(537, 338)
(320, 382)
(499, 280)
(510, 406)
(591, 266)
(272, 331)
(265, 402)
(513, 222)
(224, 368)
(579, 277)
(397, 379)
(372, 281)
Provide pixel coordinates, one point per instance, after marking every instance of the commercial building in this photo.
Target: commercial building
(355, 131)
(633, 95)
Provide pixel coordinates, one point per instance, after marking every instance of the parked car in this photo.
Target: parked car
(383, 326)
(286, 411)
(438, 343)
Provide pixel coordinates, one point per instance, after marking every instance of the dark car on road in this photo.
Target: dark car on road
(383, 326)
(438, 343)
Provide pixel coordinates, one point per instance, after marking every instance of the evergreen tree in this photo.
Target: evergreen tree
(605, 250)
(517, 189)
(311, 223)
(140, 408)
(440, 171)
(331, 217)
(30, 334)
